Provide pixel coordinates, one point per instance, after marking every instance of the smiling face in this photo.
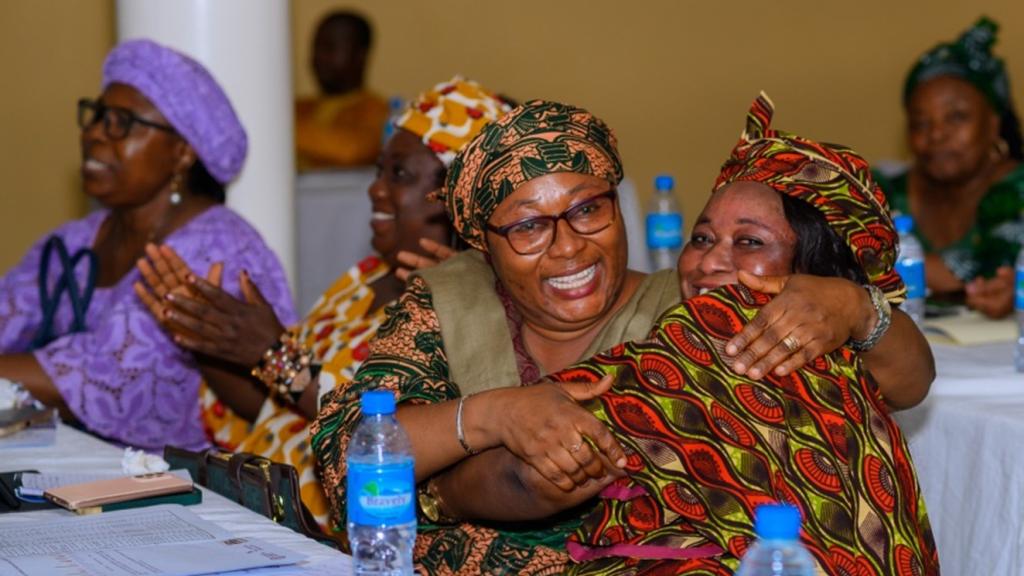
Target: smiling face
(406, 172)
(743, 227)
(578, 279)
(131, 171)
(951, 129)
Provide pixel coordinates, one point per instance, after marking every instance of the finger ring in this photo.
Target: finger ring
(790, 343)
(576, 447)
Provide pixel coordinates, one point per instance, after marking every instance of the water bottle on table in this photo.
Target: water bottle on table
(1018, 298)
(778, 551)
(381, 491)
(910, 266)
(664, 225)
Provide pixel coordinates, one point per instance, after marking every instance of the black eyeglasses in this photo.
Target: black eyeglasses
(534, 235)
(117, 122)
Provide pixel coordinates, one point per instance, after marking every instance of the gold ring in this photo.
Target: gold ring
(790, 343)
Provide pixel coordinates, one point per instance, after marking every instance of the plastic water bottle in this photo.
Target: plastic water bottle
(910, 266)
(778, 551)
(664, 225)
(396, 107)
(1019, 301)
(381, 491)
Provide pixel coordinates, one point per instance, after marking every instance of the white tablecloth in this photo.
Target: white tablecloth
(78, 452)
(966, 440)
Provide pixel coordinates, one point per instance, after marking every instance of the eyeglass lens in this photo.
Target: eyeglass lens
(536, 234)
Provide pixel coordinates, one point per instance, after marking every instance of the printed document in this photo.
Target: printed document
(165, 540)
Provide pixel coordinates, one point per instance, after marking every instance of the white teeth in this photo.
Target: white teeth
(574, 281)
(382, 216)
(91, 164)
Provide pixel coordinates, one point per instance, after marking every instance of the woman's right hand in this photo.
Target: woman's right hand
(993, 297)
(433, 254)
(204, 318)
(545, 426)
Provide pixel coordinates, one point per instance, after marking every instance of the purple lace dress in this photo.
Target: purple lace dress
(123, 377)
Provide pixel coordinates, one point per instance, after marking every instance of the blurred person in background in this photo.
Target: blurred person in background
(965, 188)
(344, 126)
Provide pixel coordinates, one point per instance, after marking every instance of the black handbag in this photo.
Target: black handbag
(268, 488)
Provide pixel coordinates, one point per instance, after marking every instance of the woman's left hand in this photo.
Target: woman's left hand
(204, 318)
(993, 297)
(810, 316)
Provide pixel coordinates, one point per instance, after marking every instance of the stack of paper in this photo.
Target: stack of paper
(163, 540)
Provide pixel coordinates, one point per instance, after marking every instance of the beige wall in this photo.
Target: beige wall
(674, 78)
(52, 51)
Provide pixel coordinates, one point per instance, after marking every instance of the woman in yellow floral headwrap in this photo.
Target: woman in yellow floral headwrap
(273, 421)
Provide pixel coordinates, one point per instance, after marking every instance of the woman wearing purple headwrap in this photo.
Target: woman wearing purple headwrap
(158, 147)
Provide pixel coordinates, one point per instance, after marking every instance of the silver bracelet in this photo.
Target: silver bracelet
(884, 313)
(458, 427)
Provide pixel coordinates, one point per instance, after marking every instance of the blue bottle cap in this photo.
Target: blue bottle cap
(664, 182)
(378, 402)
(777, 522)
(904, 223)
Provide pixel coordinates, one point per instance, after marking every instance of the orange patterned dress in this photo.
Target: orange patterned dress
(338, 329)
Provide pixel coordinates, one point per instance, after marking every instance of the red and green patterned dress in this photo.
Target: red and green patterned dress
(706, 446)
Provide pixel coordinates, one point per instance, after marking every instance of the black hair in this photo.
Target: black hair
(202, 183)
(819, 249)
(361, 28)
(1009, 130)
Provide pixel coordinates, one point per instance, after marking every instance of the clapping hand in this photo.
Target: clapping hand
(201, 316)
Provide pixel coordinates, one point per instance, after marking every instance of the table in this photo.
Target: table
(76, 451)
(965, 439)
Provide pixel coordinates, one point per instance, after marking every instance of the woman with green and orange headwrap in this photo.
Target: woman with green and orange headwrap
(706, 445)
(506, 469)
(965, 188)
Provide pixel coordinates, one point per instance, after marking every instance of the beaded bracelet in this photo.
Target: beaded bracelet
(286, 368)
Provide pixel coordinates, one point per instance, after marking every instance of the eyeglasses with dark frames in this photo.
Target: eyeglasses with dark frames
(536, 234)
(117, 122)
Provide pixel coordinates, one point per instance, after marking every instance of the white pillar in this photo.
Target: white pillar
(246, 45)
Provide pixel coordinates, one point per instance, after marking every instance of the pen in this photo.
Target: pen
(8, 495)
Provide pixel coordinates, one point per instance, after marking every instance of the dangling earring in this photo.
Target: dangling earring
(175, 190)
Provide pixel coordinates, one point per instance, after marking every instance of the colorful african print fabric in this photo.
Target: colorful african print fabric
(832, 178)
(338, 329)
(533, 140)
(451, 114)
(408, 356)
(411, 357)
(969, 57)
(705, 447)
(345, 130)
(995, 238)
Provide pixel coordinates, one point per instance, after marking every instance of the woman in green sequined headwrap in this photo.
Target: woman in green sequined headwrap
(965, 188)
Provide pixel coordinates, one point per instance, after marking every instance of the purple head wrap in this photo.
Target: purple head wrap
(188, 96)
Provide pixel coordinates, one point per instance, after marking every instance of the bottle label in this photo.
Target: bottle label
(665, 231)
(912, 273)
(381, 494)
(1020, 288)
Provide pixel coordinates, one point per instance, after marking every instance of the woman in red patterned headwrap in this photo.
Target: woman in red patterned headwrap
(706, 445)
